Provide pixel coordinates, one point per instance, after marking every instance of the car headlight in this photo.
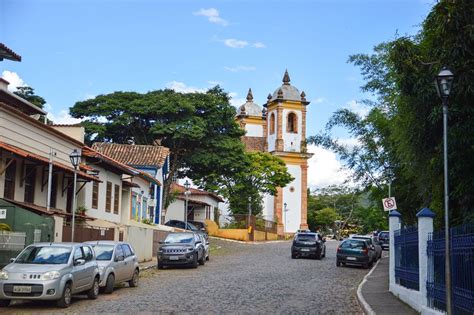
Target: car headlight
(51, 275)
(3, 275)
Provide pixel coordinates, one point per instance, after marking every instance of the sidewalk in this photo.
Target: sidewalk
(148, 264)
(375, 292)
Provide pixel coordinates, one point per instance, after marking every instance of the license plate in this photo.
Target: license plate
(174, 257)
(305, 249)
(21, 289)
(351, 258)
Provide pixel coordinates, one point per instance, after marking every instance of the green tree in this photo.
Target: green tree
(262, 175)
(323, 218)
(198, 128)
(28, 93)
(401, 137)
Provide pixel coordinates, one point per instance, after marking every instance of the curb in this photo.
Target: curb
(247, 242)
(363, 303)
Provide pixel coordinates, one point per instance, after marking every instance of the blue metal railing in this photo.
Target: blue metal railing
(462, 269)
(406, 257)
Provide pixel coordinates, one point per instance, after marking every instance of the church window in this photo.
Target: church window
(272, 123)
(292, 123)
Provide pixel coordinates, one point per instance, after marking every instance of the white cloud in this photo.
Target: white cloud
(358, 108)
(212, 15)
(234, 101)
(240, 68)
(14, 79)
(235, 43)
(214, 83)
(259, 45)
(325, 169)
(63, 118)
(88, 96)
(181, 87)
(350, 143)
(319, 100)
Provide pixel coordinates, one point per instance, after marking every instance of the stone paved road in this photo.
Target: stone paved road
(239, 278)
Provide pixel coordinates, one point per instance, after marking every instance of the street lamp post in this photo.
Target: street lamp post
(75, 157)
(250, 212)
(284, 217)
(444, 81)
(186, 194)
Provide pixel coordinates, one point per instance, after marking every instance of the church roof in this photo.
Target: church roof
(249, 108)
(286, 91)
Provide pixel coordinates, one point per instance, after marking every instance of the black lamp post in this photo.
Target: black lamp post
(186, 194)
(444, 82)
(284, 217)
(75, 158)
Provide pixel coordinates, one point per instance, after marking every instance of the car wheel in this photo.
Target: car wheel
(324, 254)
(317, 256)
(194, 264)
(366, 266)
(66, 297)
(4, 303)
(207, 257)
(134, 281)
(109, 285)
(293, 255)
(202, 261)
(160, 265)
(93, 293)
(338, 263)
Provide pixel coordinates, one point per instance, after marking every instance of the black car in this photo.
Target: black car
(308, 245)
(181, 248)
(384, 239)
(200, 225)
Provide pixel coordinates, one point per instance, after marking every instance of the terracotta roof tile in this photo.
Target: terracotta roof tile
(7, 53)
(180, 189)
(134, 155)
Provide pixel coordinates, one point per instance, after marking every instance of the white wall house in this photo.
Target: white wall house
(202, 205)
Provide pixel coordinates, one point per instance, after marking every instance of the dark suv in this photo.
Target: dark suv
(384, 239)
(308, 245)
(181, 248)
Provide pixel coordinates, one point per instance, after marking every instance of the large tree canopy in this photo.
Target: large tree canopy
(401, 138)
(198, 128)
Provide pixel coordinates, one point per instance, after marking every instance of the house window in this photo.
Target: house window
(108, 197)
(292, 123)
(10, 173)
(95, 195)
(272, 123)
(30, 180)
(134, 206)
(116, 199)
(144, 207)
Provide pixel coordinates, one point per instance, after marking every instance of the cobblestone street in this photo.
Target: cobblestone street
(239, 278)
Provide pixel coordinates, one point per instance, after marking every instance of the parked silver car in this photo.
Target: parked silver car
(50, 271)
(117, 263)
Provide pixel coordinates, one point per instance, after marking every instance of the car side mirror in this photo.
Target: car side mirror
(12, 260)
(203, 229)
(119, 258)
(161, 242)
(79, 262)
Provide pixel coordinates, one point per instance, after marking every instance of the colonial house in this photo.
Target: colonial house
(151, 161)
(29, 152)
(202, 205)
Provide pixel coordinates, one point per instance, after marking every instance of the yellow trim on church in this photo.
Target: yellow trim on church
(293, 158)
(287, 105)
(256, 120)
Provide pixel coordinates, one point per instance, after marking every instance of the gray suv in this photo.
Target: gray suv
(117, 263)
(181, 248)
(50, 271)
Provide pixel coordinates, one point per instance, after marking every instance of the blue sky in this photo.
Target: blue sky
(73, 50)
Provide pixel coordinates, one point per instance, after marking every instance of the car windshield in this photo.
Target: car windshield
(383, 235)
(44, 255)
(368, 239)
(192, 227)
(353, 244)
(306, 238)
(179, 238)
(103, 252)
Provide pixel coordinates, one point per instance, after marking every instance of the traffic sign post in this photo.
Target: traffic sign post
(389, 204)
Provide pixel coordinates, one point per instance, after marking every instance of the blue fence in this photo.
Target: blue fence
(406, 258)
(462, 269)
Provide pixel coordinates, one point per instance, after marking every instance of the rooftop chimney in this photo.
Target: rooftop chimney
(4, 84)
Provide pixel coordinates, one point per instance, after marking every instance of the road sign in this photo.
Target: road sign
(389, 204)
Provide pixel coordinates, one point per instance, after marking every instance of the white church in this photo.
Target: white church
(279, 127)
